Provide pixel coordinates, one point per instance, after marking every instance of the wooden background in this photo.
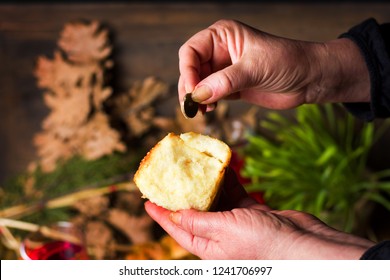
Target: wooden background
(146, 38)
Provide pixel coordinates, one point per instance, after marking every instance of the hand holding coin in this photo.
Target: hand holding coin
(190, 108)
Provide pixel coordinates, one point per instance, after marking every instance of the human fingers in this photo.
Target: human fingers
(208, 233)
(189, 228)
(223, 84)
(193, 230)
(190, 77)
(207, 52)
(165, 219)
(186, 84)
(159, 214)
(192, 57)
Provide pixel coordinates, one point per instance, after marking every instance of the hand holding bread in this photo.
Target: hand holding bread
(183, 171)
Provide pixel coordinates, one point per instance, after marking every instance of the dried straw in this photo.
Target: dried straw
(64, 201)
(45, 231)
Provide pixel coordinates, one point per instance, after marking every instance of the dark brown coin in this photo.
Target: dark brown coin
(190, 106)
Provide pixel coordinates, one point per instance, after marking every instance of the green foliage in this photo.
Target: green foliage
(70, 176)
(316, 163)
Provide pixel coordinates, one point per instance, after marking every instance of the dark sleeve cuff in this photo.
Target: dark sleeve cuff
(374, 42)
(380, 251)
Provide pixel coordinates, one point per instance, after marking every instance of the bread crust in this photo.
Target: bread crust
(183, 189)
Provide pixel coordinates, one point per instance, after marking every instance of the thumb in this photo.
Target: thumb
(222, 84)
(199, 224)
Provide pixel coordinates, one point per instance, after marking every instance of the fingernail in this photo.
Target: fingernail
(211, 107)
(202, 93)
(175, 218)
(207, 108)
(189, 88)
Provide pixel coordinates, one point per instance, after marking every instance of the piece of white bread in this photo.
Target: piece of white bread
(183, 172)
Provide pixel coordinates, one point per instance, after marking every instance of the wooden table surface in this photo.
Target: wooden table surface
(146, 38)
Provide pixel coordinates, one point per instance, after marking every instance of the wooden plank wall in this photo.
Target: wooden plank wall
(146, 39)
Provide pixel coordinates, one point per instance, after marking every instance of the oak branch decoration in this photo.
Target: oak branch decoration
(75, 84)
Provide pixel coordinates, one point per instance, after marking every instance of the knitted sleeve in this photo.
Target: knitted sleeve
(380, 251)
(374, 42)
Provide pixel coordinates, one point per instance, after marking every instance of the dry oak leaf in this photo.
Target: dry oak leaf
(140, 95)
(137, 228)
(50, 150)
(164, 249)
(99, 95)
(85, 42)
(97, 138)
(143, 93)
(180, 124)
(135, 106)
(131, 202)
(140, 122)
(92, 207)
(71, 110)
(45, 72)
(99, 238)
(64, 133)
(176, 252)
(148, 251)
(59, 73)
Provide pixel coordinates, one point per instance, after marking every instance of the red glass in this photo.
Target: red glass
(57, 250)
(38, 247)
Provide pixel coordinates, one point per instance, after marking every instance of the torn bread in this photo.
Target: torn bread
(183, 171)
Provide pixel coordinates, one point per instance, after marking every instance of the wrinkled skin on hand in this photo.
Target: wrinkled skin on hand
(244, 229)
(233, 60)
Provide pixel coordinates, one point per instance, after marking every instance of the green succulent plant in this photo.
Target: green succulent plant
(317, 163)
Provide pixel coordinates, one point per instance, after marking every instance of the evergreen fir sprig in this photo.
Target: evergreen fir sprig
(69, 177)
